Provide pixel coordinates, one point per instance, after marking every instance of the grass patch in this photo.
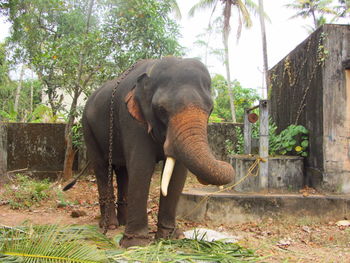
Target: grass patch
(25, 192)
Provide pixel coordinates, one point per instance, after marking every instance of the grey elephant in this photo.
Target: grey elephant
(160, 111)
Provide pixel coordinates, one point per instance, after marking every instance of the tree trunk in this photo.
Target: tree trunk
(228, 77)
(70, 152)
(264, 47)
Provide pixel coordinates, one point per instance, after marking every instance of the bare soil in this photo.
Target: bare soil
(275, 239)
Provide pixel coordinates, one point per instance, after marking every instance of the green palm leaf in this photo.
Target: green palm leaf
(47, 244)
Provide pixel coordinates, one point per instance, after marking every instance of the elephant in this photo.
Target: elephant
(160, 110)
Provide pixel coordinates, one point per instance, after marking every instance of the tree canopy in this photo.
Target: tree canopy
(243, 18)
(244, 98)
(70, 49)
(75, 45)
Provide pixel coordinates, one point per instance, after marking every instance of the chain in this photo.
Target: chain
(110, 196)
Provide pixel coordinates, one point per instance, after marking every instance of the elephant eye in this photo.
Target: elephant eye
(162, 114)
(162, 110)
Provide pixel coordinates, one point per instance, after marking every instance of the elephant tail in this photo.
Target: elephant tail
(72, 183)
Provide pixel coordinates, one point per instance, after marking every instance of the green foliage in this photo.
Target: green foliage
(140, 29)
(237, 148)
(74, 50)
(215, 118)
(4, 66)
(77, 135)
(342, 9)
(26, 192)
(315, 9)
(41, 113)
(51, 244)
(10, 115)
(243, 98)
(186, 250)
(291, 141)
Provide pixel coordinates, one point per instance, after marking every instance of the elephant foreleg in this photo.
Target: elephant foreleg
(140, 170)
(168, 204)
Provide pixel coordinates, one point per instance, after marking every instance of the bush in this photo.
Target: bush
(291, 141)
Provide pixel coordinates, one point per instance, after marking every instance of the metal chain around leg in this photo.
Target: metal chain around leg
(110, 195)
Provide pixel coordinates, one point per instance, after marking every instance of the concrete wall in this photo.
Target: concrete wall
(40, 147)
(336, 110)
(221, 137)
(285, 174)
(309, 88)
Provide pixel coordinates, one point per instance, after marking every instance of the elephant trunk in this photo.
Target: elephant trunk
(187, 142)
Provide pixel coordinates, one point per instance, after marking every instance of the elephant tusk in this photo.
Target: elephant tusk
(168, 170)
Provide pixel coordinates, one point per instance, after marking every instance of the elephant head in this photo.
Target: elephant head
(172, 97)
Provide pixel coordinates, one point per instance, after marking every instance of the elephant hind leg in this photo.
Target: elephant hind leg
(105, 189)
(106, 198)
(122, 183)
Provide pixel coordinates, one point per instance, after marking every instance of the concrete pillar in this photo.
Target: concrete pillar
(247, 133)
(264, 144)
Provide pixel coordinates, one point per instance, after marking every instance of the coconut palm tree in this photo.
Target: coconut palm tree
(243, 17)
(316, 9)
(264, 45)
(343, 8)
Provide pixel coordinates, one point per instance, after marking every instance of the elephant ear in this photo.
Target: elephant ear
(137, 103)
(133, 107)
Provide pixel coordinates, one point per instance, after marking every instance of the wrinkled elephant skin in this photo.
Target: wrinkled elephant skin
(160, 110)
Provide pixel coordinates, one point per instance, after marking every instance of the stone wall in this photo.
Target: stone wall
(37, 147)
(222, 137)
(308, 87)
(40, 147)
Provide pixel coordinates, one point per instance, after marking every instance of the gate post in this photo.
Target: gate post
(264, 144)
(247, 133)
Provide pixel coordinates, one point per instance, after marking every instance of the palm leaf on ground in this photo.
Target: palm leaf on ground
(47, 244)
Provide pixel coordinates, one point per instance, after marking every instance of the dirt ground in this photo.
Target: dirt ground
(276, 240)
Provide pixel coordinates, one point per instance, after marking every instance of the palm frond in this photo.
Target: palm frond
(251, 5)
(175, 8)
(212, 13)
(246, 20)
(186, 250)
(202, 4)
(48, 244)
(239, 27)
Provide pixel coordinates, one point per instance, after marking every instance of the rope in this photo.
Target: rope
(249, 173)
